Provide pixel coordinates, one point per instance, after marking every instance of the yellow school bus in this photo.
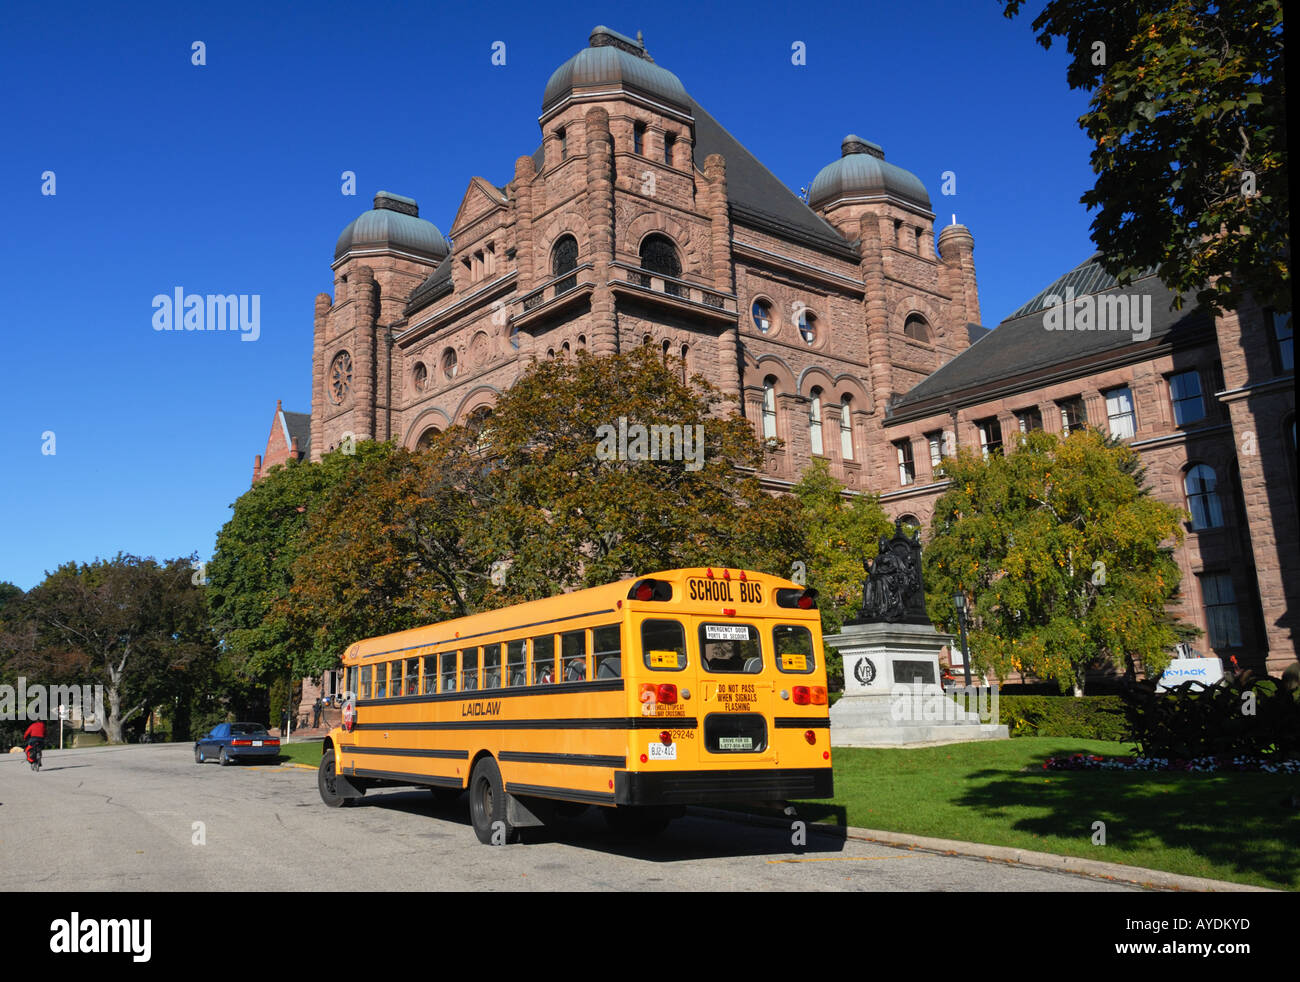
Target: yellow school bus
(688, 686)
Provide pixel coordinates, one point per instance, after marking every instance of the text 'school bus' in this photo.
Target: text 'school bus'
(685, 687)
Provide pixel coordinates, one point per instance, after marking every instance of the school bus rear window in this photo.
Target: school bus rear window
(730, 648)
(792, 644)
(663, 645)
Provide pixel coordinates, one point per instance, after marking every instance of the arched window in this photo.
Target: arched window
(480, 423)
(917, 328)
(564, 259)
(449, 363)
(846, 428)
(769, 408)
(427, 438)
(667, 350)
(910, 522)
(659, 255)
(762, 313)
(340, 380)
(685, 366)
(564, 349)
(420, 377)
(1202, 498)
(815, 422)
(807, 326)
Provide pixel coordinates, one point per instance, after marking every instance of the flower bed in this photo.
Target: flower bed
(1091, 762)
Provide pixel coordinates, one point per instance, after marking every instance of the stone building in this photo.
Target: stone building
(842, 325)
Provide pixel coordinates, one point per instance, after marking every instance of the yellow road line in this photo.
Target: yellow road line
(833, 859)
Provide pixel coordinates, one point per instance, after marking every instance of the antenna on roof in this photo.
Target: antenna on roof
(954, 218)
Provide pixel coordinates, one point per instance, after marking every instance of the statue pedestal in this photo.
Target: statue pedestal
(894, 695)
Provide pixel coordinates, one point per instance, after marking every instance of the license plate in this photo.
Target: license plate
(658, 751)
(735, 743)
(257, 743)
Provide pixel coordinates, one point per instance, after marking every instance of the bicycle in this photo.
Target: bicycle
(34, 756)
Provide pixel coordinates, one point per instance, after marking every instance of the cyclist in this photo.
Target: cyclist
(34, 738)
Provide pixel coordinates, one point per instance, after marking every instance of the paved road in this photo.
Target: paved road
(122, 818)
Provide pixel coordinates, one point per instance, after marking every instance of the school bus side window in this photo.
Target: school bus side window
(573, 655)
(516, 669)
(792, 644)
(381, 679)
(430, 674)
(364, 691)
(663, 645)
(544, 660)
(352, 679)
(492, 666)
(469, 669)
(412, 687)
(448, 671)
(607, 648)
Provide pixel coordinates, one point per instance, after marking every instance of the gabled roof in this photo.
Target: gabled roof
(298, 426)
(1022, 344)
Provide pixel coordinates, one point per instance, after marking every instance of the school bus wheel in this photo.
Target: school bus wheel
(487, 805)
(328, 781)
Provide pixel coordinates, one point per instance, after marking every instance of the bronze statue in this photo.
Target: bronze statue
(892, 591)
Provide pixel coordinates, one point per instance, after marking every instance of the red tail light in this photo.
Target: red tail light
(241, 743)
(819, 695)
(666, 738)
(270, 743)
(801, 695)
(810, 736)
(667, 693)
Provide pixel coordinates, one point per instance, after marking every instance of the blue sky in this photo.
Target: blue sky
(226, 179)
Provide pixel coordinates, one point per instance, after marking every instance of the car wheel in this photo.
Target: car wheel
(198, 756)
(487, 805)
(327, 781)
(224, 758)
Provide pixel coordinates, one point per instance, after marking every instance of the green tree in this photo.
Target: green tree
(139, 627)
(252, 565)
(524, 503)
(840, 533)
(1188, 123)
(1062, 548)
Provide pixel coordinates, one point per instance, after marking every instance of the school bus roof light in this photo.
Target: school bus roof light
(645, 590)
(803, 599)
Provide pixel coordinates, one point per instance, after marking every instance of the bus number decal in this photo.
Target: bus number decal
(492, 708)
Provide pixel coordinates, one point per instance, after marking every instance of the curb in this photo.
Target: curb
(1157, 879)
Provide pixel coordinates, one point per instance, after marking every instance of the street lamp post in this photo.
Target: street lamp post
(959, 601)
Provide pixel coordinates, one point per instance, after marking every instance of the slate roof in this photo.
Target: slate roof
(299, 425)
(1022, 345)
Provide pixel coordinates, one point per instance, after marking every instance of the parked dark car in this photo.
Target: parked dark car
(229, 742)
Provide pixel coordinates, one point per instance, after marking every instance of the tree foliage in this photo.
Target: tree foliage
(137, 626)
(520, 505)
(1063, 551)
(1188, 122)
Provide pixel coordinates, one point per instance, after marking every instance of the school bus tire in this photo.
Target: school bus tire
(487, 805)
(327, 782)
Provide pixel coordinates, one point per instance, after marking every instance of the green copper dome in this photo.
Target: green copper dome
(862, 171)
(394, 223)
(614, 60)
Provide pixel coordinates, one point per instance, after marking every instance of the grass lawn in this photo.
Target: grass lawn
(1225, 826)
(301, 753)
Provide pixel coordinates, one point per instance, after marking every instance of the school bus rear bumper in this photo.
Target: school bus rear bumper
(704, 787)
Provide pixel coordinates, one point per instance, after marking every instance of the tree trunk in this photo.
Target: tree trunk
(114, 722)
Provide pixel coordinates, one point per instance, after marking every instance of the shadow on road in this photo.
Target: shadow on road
(692, 837)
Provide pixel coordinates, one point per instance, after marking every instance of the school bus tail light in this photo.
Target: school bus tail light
(666, 738)
(802, 695)
(818, 695)
(810, 736)
(667, 693)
